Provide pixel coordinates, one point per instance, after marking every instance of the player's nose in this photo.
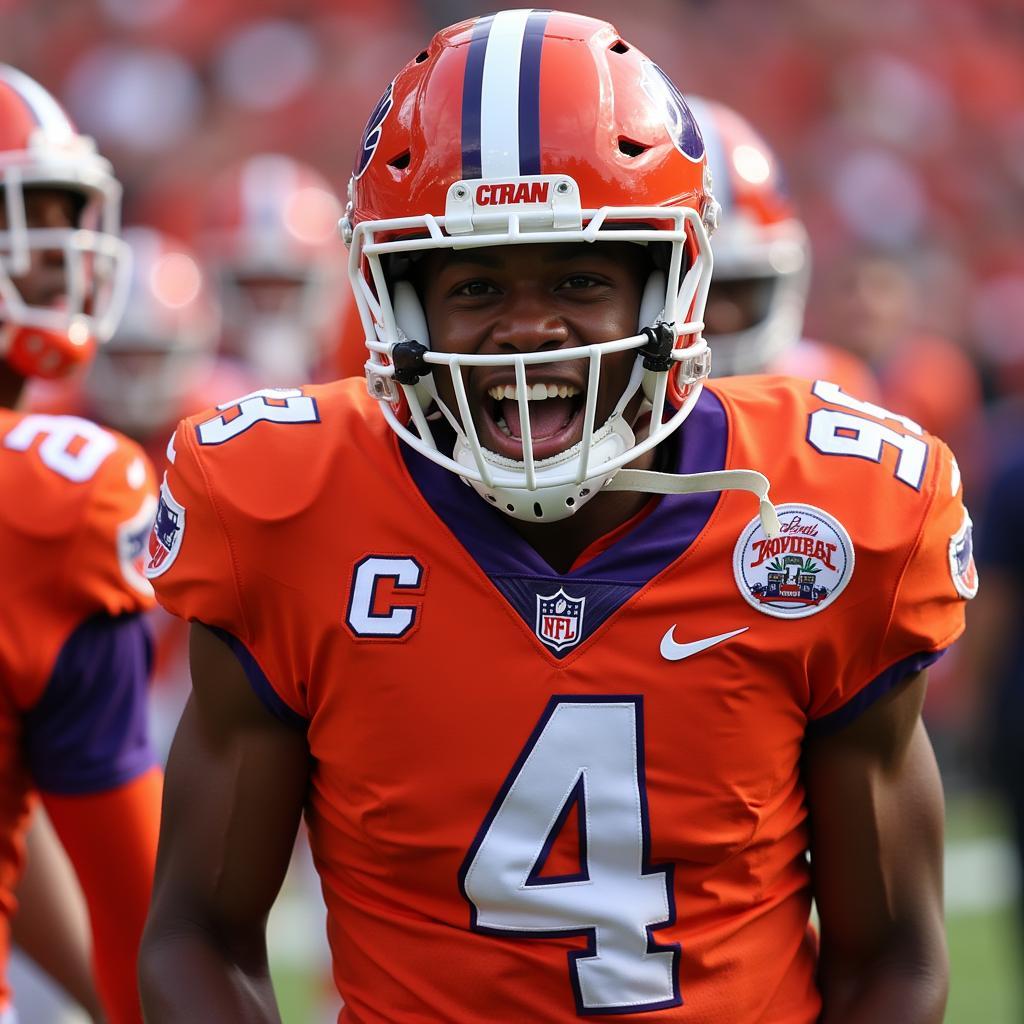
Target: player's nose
(527, 323)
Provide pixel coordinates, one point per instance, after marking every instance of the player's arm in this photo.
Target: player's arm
(876, 815)
(236, 783)
(51, 925)
(86, 741)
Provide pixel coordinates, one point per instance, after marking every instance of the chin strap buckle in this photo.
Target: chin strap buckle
(661, 340)
(410, 366)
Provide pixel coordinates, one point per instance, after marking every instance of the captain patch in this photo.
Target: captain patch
(798, 573)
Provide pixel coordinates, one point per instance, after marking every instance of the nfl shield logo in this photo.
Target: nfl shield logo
(165, 537)
(559, 619)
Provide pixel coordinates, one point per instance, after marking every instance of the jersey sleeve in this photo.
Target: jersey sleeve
(190, 561)
(931, 577)
(108, 552)
(195, 563)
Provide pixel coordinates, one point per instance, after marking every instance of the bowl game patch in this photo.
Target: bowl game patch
(798, 573)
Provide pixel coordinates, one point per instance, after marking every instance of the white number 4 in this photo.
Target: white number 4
(584, 752)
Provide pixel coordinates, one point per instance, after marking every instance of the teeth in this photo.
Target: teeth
(535, 392)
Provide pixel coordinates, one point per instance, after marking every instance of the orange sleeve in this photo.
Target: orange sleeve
(211, 524)
(931, 576)
(190, 562)
(940, 575)
(109, 546)
(111, 838)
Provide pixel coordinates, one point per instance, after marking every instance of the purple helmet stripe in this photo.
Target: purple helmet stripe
(472, 91)
(529, 93)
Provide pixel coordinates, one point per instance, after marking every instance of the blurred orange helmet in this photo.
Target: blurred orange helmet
(142, 378)
(521, 127)
(269, 236)
(762, 258)
(46, 336)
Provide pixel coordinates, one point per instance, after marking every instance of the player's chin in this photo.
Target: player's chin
(498, 437)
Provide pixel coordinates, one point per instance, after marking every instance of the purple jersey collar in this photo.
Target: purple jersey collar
(632, 560)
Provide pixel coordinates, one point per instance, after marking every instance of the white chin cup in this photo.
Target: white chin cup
(547, 503)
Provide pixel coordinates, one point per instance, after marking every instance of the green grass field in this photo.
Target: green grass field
(986, 957)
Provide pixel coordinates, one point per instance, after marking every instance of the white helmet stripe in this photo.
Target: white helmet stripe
(499, 98)
(45, 110)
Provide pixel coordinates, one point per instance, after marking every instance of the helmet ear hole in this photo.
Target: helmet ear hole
(409, 314)
(652, 303)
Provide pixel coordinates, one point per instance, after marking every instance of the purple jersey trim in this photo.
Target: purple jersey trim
(88, 733)
(878, 687)
(260, 684)
(610, 578)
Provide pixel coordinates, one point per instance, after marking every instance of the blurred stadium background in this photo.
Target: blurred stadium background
(901, 126)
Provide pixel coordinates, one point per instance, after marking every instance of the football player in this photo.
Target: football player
(566, 708)
(79, 500)
(754, 316)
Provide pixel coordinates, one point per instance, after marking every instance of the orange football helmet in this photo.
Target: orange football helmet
(517, 128)
(47, 332)
(755, 307)
(269, 236)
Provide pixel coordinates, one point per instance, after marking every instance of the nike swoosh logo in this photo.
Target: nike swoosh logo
(671, 651)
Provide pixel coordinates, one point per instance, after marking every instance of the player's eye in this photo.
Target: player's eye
(580, 281)
(473, 289)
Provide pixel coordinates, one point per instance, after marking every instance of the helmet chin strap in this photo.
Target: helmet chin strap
(651, 482)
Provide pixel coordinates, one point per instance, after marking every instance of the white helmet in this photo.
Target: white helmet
(755, 308)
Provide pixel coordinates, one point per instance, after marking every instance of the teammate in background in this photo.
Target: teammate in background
(565, 736)
(160, 365)
(74, 651)
(755, 311)
(269, 238)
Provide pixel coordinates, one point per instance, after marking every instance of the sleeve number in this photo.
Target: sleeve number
(277, 405)
(585, 753)
(837, 432)
(72, 447)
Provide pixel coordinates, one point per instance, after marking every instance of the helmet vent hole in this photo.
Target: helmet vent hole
(631, 148)
(584, 492)
(537, 510)
(492, 499)
(510, 508)
(570, 502)
(400, 162)
(619, 47)
(421, 56)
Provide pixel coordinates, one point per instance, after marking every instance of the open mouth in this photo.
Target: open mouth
(556, 412)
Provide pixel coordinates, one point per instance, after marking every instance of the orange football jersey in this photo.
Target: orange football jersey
(536, 795)
(79, 502)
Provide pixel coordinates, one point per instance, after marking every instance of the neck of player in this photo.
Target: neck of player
(561, 543)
